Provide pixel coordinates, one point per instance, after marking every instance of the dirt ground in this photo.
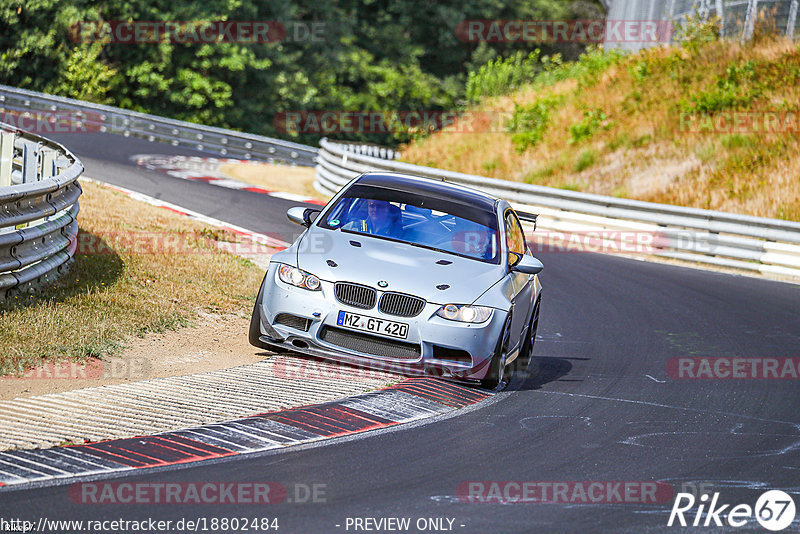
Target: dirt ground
(216, 342)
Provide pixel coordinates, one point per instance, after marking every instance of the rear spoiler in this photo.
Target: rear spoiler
(528, 217)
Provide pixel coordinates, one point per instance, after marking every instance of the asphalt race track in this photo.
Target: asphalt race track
(107, 158)
(598, 404)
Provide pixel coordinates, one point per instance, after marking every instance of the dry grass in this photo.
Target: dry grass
(640, 149)
(118, 291)
(274, 177)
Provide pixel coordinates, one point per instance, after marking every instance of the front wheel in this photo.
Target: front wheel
(255, 327)
(497, 367)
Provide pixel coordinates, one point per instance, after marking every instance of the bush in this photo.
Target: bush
(734, 89)
(640, 70)
(528, 123)
(592, 120)
(586, 70)
(503, 75)
(694, 32)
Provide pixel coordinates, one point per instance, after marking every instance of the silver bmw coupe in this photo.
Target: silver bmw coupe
(406, 274)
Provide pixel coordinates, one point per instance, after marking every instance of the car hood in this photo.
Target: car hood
(405, 268)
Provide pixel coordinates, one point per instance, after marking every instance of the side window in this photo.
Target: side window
(514, 236)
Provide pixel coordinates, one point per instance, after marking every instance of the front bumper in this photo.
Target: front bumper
(434, 345)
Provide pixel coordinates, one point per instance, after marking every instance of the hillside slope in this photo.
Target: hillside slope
(710, 124)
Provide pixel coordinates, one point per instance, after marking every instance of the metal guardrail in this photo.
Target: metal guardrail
(89, 117)
(737, 18)
(769, 246)
(39, 207)
(376, 151)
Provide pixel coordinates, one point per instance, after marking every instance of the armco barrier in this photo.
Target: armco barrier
(86, 116)
(39, 193)
(769, 246)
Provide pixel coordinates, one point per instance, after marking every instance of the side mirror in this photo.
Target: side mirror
(302, 216)
(527, 264)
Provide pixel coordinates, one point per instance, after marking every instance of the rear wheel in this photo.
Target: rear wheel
(497, 368)
(526, 353)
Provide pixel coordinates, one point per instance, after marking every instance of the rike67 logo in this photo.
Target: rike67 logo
(774, 510)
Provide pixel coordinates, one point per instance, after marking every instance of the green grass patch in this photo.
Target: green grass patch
(733, 141)
(642, 141)
(540, 174)
(788, 212)
(705, 152)
(620, 140)
(570, 186)
(585, 160)
(490, 165)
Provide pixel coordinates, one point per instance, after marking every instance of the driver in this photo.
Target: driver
(474, 240)
(382, 219)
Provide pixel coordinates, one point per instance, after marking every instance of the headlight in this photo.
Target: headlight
(298, 278)
(464, 313)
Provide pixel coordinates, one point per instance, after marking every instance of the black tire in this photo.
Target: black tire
(497, 369)
(525, 354)
(255, 327)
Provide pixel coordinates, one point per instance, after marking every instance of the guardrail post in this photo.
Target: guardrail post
(792, 20)
(48, 163)
(30, 162)
(30, 172)
(47, 166)
(703, 9)
(750, 21)
(6, 158)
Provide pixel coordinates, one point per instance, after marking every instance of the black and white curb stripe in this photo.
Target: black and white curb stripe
(410, 400)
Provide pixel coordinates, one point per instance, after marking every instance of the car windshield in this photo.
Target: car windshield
(436, 223)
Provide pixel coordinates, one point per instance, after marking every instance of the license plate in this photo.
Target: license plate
(372, 324)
